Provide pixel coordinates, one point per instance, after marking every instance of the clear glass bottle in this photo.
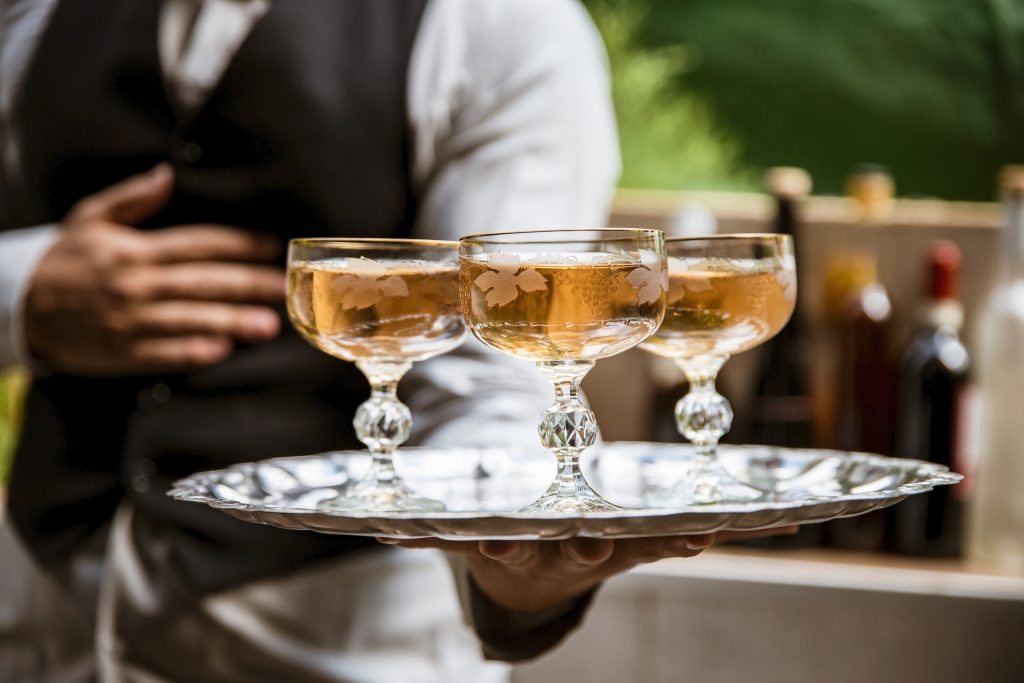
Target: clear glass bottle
(996, 530)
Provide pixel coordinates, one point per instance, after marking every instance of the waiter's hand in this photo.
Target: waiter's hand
(108, 299)
(532, 576)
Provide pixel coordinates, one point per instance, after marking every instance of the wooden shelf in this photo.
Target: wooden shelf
(836, 569)
(745, 211)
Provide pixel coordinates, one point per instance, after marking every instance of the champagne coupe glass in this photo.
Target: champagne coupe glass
(382, 304)
(563, 299)
(727, 294)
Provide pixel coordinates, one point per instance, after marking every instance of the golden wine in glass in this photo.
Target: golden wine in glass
(564, 299)
(727, 294)
(382, 304)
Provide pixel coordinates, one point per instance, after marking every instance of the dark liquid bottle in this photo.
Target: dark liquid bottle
(866, 398)
(782, 411)
(865, 391)
(933, 375)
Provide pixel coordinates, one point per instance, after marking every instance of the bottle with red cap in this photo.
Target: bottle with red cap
(933, 376)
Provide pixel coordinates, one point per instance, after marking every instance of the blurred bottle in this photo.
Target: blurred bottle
(782, 412)
(873, 191)
(859, 313)
(864, 381)
(691, 219)
(932, 409)
(997, 510)
(865, 378)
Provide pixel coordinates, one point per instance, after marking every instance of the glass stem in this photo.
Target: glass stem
(568, 427)
(383, 422)
(703, 415)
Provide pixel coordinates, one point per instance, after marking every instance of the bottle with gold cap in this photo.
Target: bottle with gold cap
(872, 189)
(996, 531)
(859, 314)
(864, 381)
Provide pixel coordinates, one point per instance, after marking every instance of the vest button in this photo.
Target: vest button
(150, 398)
(160, 392)
(186, 152)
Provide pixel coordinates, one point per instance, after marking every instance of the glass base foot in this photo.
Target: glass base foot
(706, 483)
(583, 501)
(376, 497)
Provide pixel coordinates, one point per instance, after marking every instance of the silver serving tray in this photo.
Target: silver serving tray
(483, 487)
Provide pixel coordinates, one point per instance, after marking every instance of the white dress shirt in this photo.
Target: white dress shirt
(507, 101)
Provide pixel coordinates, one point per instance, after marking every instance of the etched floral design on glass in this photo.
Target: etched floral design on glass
(506, 278)
(365, 282)
(564, 299)
(727, 294)
(650, 278)
(382, 304)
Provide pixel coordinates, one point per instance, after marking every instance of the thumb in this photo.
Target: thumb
(131, 200)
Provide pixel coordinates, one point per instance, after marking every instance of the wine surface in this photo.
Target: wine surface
(723, 307)
(360, 308)
(583, 306)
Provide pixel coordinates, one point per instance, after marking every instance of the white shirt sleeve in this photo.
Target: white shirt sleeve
(20, 252)
(513, 128)
(512, 118)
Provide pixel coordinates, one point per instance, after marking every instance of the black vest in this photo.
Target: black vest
(306, 134)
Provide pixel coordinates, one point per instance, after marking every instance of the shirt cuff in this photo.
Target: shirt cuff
(20, 253)
(511, 636)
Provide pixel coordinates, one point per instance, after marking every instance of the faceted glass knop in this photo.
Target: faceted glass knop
(703, 417)
(383, 423)
(568, 429)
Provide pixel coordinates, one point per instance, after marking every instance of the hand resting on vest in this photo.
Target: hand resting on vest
(110, 300)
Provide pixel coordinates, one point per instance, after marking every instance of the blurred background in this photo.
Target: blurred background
(882, 136)
(709, 93)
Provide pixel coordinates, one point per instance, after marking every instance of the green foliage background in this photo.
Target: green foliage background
(669, 135)
(711, 92)
(12, 385)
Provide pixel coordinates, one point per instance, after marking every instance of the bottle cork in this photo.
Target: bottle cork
(873, 189)
(788, 182)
